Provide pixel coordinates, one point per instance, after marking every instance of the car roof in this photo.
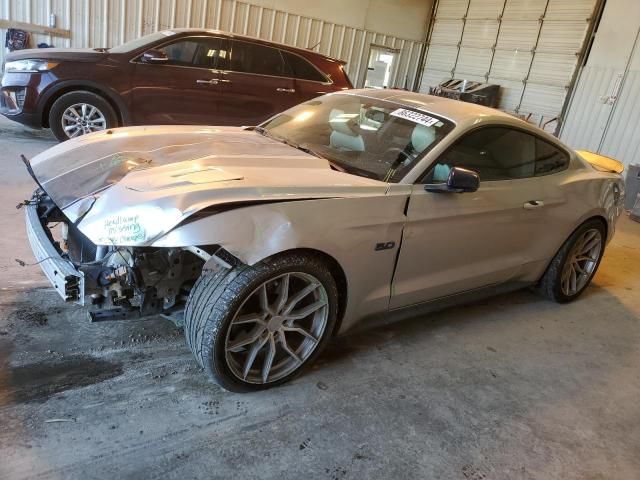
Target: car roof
(455, 110)
(284, 46)
(465, 115)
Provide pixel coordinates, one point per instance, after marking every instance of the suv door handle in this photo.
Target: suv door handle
(286, 90)
(213, 81)
(533, 204)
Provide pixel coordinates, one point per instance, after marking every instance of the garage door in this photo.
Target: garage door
(528, 47)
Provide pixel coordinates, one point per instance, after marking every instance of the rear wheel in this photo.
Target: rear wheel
(254, 327)
(80, 112)
(575, 264)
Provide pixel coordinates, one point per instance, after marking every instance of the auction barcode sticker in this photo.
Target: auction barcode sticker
(416, 117)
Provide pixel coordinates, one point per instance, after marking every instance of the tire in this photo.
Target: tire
(102, 118)
(219, 300)
(551, 285)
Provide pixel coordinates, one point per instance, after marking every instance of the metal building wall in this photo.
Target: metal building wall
(622, 137)
(604, 113)
(529, 47)
(100, 23)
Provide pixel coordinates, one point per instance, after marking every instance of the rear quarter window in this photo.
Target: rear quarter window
(248, 57)
(302, 69)
(549, 159)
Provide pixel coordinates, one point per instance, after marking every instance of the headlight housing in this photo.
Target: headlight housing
(29, 66)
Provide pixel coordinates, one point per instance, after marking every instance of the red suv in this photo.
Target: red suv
(182, 76)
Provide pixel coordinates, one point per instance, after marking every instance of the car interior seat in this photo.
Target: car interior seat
(344, 135)
(421, 137)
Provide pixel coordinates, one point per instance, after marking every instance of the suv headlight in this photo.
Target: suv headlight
(29, 66)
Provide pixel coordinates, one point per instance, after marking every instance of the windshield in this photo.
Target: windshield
(141, 42)
(364, 136)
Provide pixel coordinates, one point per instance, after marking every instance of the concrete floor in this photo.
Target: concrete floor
(514, 387)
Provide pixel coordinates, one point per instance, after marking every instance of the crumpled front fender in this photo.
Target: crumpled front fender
(346, 229)
(249, 233)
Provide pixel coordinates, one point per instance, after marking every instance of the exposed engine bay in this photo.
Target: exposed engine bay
(125, 282)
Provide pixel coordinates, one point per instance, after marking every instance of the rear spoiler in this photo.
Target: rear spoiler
(600, 162)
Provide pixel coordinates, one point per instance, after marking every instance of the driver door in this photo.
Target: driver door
(454, 242)
(186, 89)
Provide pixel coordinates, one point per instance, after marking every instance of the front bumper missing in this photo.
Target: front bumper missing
(65, 278)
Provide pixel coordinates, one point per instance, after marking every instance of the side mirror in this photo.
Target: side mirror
(154, 56)
(459, 180)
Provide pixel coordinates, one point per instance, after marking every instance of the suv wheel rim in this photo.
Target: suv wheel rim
(581, 262)
(277, 328)
(82, 118)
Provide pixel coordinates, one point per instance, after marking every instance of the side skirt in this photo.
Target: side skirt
(442, 303)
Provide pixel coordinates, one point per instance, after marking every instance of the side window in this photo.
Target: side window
(301, 68)
(181, 53)
(250, 57)
(549, 159)
(197, 52)
(495, 153)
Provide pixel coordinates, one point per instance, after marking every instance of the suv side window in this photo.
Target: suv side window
(302, 69)
(197, 52)
(495, 153)
(247, 57)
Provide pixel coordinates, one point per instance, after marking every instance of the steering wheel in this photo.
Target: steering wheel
(399, 156)
(395, 159)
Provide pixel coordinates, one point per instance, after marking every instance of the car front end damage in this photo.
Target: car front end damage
(61, 272)
(121, 282)
(128, 220)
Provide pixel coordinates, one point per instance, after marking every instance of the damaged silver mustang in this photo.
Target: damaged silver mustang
(346, 209)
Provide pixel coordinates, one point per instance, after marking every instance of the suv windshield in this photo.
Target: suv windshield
(141, 42)
(364, 136)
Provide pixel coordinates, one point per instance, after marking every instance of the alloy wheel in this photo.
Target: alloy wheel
(581, 262)
(277, 328)
(82, 118)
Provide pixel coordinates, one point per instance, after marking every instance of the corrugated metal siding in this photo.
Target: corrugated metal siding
(622, 136)
(622, 140)
(105, 23)
(588, 114)
(604, 113)
(529, 47)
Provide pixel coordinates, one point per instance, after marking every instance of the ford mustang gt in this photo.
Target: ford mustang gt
(345, 210)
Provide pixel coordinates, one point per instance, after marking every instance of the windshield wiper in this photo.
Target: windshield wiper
(302, 147)
(261, 130)
(298, 146)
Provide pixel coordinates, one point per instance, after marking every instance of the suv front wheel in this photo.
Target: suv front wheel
(80, 112)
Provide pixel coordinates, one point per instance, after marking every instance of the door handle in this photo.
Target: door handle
(224, 80)
(286, 90)
(533, 204)
(213, 81)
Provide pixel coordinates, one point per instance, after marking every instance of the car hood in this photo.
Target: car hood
(75, 54)
(129, 186)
